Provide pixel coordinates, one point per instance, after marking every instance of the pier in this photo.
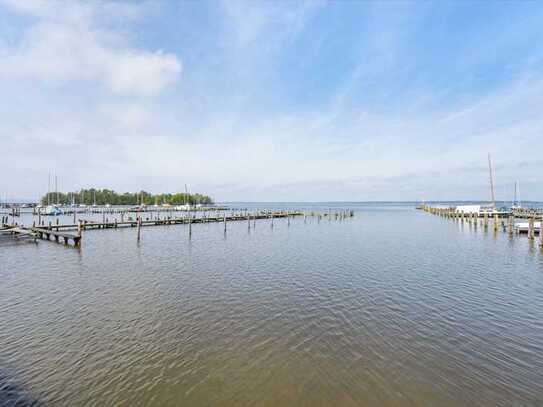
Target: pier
(63, 233)
(506, 221)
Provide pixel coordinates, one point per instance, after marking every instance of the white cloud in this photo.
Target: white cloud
(220, 140)
(71, 42)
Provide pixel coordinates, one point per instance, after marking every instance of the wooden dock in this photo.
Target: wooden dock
(64, 233)
(86, 224)
(497, 220)
(40, 233)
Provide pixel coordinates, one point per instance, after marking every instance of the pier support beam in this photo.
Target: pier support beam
(511, 224)
(531, 233)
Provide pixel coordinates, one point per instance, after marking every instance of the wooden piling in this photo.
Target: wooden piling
(139, 228)
(511, 224)
(531, 233)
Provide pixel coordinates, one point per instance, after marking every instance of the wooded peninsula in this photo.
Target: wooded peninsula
(107, 196)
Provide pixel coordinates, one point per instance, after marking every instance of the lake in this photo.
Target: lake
(393, 307)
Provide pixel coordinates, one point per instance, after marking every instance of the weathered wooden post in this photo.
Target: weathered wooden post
(190, 224)
(496, 222)
(511, 224)
(248, 222)
(485, 220)
(288, 219)
(541, 232)
(271, 216)
(139, 228)
(74, 215)
(224, 220)
(304, 216)
(531, 233)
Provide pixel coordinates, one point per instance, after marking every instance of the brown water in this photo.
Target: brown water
(390, 308)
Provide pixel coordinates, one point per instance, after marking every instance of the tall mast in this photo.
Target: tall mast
(48, 188)
(491, 182)
(515, 197)
(56, 189)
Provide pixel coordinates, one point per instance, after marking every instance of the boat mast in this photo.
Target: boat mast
(48, 188)
(491, 182)
(515, 196)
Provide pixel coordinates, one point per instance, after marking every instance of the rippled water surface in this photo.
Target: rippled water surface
(393, 307)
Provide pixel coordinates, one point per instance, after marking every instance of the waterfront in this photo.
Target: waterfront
(392, 307)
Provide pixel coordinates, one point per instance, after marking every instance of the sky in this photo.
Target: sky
(273, 101)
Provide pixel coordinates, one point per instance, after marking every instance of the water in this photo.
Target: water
(393, 307)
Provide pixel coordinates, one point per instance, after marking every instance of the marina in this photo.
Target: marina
(271, 203)
(505, 220)
(59, 232)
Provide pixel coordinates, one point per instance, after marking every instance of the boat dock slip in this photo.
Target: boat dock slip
(500, 220)
(63, 232)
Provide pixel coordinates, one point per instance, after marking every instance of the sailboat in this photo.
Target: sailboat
(52, 209)
(490, 209)
(516, 200)
(186, 203)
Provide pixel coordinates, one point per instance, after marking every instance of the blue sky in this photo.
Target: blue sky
(273, 101)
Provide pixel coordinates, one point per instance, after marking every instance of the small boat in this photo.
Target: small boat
(51, 210)
(523, 227)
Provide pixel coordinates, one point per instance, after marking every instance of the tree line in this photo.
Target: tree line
(106, 196)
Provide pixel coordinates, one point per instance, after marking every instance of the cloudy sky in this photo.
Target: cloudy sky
(272, 101)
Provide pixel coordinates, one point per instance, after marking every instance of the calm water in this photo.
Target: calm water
(390, 308)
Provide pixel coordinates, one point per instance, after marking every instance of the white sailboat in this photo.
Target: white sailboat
(516, 200)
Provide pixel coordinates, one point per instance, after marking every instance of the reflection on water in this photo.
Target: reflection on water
(393, 308)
